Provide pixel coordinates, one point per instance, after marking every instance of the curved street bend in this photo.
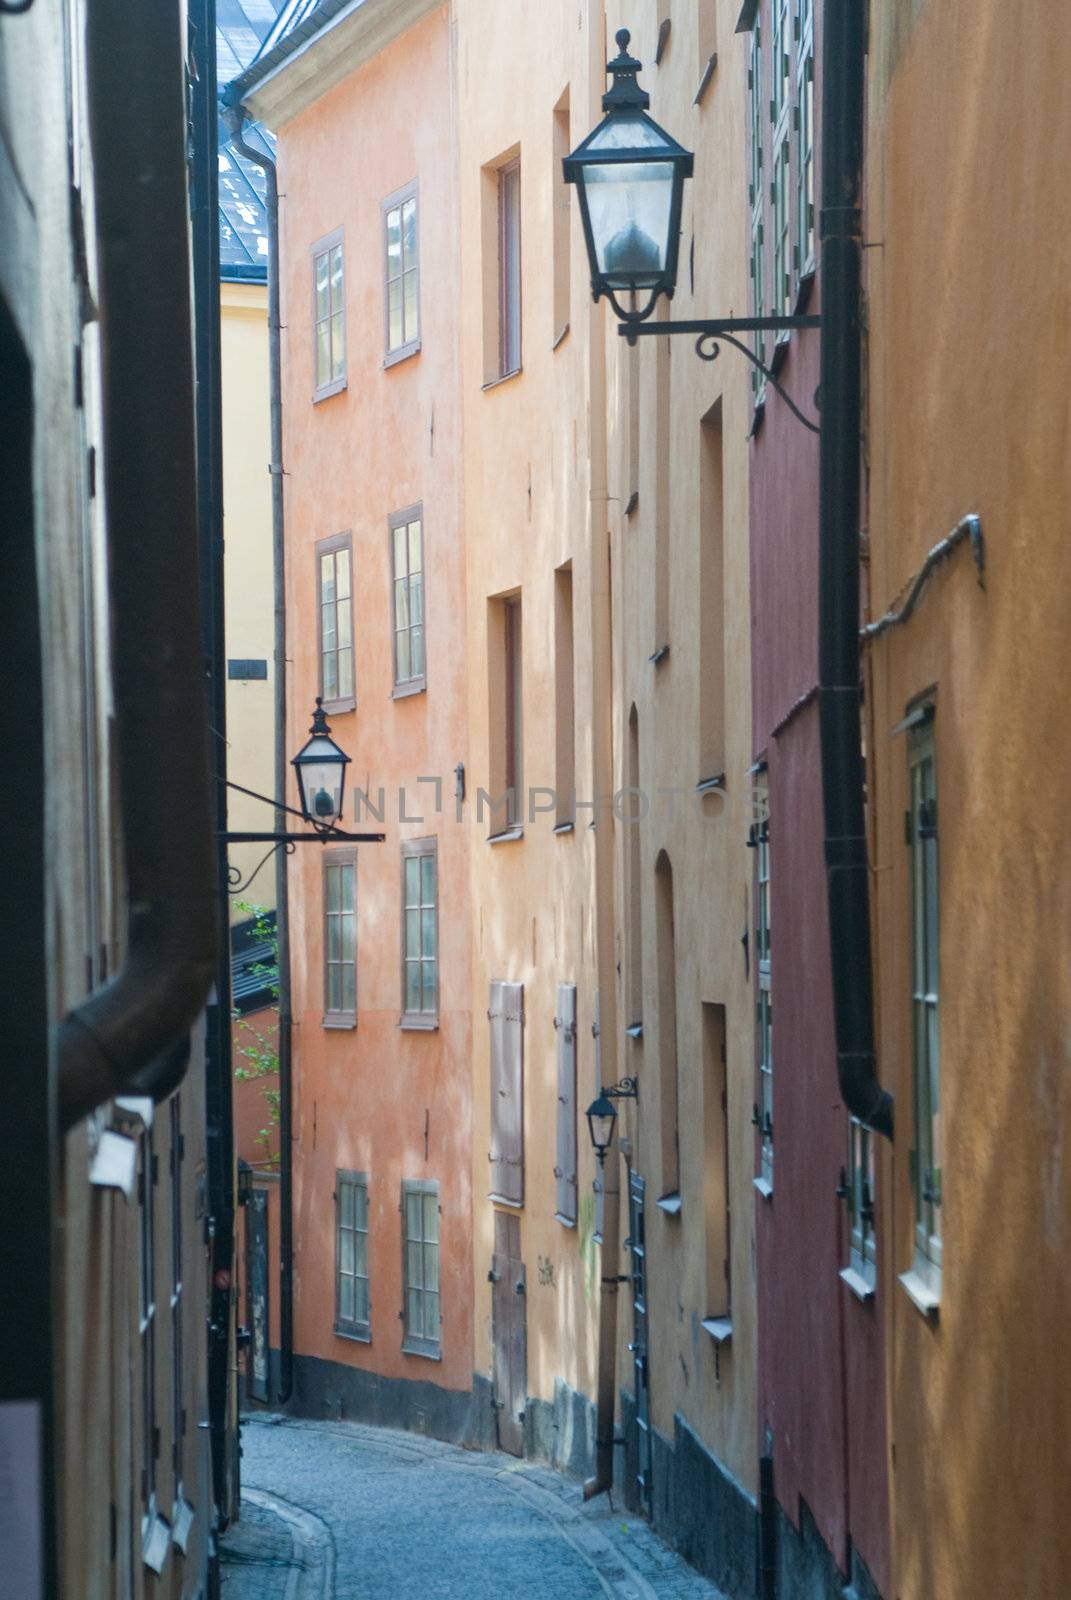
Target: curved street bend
(337, 1511)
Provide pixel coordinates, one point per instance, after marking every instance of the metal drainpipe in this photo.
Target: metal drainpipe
(235, 117)
(138, 123)
(847, 870)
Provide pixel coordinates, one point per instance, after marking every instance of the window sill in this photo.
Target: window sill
(670, 1204)
(704, 82)
(562, 828)
(566, 1222)
(764, 1187)
(357, 1335)
(500, 1200)
(861, 1288)
(632, 502)
(339, 1019)
(402, 691)
(403, 353)
(413, 1022)
(181, 1522)
(709, 785)
(922, 1297)
(155, 1542)
(561, 338)
(805, 287)
(418, 1347)
(660, 655)
(503, 377)
(329, 389)
(634, 1030)
(338, 708)
(719, 1328)
(508, 837)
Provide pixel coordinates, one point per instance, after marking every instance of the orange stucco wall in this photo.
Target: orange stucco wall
(969, 319)
(376, 1098)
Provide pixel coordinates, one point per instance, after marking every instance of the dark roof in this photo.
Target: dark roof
(241, 29)
(298, 21)
(253, 966)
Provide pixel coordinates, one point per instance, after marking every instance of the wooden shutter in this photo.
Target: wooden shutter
(506, 1015)
(565, 1171)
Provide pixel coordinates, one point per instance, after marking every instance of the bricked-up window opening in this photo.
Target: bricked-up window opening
(509, 268)
(764, 1002)
(402, 272)
(329, 316)
(562, 144)
(407, 562)
(505, 1015)
(711, 601)
(420, 933)
(667, 1028)
(564, 698)
(420, 1231)
(178, 1418)
(340, 938)
(804, 261)
(926, 1158)
(707, 26)
(565, 1166)
(147, 1329)
(756, 193)
(353, 1308)
(634, 825)
(716, 1207)
(335, 597)
(862, 1253)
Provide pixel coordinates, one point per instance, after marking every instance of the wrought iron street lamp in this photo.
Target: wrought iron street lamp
(602, 1115)
(629, 176)
(321, 765)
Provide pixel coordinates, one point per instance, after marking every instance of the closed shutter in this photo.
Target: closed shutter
(565, 1171)
(599, 1173)
(506, 1015)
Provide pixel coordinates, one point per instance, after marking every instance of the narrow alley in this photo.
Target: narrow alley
(337, 1510)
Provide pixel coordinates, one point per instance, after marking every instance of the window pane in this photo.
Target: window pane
(345, 1200)
(347, 886)
(414, 547)
(345, 1250)
(431, 1267)
(345, 672)
(360, 1300)
(394, 314)
(416, 652)
(328, 622)
(345, 1299)
(410, 305)
(412, 880)
(431, 986)
(427, 880)
(431, 1316)
(344, 619)
(431, 1226)
(334, 988)
(361, 1212)
(399, 553)
(322, 306)
(349, 987)
(323, 353)
(428, 943)
(409, 233)
(412, 986)
(394, 243)
(412, 933)
(348, 923)
(330, 675)
(338, 345)
(404, 669)
(336, 278)
(401, 603)
(416, 597)
(342, 573)
(412, 1314)
(334, 889)
(327, 578)
(334, 938)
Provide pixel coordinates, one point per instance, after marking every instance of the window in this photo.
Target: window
(706, 20)
(756, 196)
(565, 1166)
(329, 316)
(925, 932)
(780, 118)
(632, 821)
(509, 268)
(333, 576)
(760, 834)
(564, 699)
(403, 274)
(562, 221)
(407, 557)
(505, 1013)
(862, 1274)
(505, 670)
(178, 1413)
(420, 934)
(667, 1033)
(711, 604)
(662, 463)
(716, 1208)
(420, 1235)
(804, 249)
(340, 938)
(353, 1309)
(155, 1531)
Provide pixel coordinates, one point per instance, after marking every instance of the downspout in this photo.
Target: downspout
(839, 700)
(138, 123)
(602, 772)
(235, 117)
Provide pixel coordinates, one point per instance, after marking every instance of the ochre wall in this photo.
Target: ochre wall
(969, 317)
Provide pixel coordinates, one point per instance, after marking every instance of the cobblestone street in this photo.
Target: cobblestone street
(337, 1511)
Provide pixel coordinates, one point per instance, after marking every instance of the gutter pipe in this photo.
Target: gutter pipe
(839, 698)
(138, 124)
(235, 115)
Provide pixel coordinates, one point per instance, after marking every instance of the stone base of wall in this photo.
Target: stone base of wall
(561, 1431)
(332, 1390)
(806, 1570)
(696, 1505)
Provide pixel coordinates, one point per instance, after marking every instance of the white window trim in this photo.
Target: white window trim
(417, 1344)
(324, 246)
(358, 1328)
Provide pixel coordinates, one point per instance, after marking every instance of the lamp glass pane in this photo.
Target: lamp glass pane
(602, 1131)
(629, 204)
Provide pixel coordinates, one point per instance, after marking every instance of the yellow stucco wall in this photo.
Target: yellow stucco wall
(969, 320)
(248, 572)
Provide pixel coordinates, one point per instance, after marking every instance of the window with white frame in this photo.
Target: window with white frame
(353, 1309)
(780, 169)
(340, 938)
(329, 316)
(420, 933)
(925, 999)
(421, 1314)
(178, 1409)
(862, 1253)
(804, 118)
(756, 195)
(764, 1003)
(407, 567)
(335, 594)
(402, 273)
(147, 1328)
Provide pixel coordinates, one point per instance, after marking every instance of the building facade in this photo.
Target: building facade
(376, 608)
(967, 702)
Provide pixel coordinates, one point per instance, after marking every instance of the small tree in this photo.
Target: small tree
(259, 1048)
